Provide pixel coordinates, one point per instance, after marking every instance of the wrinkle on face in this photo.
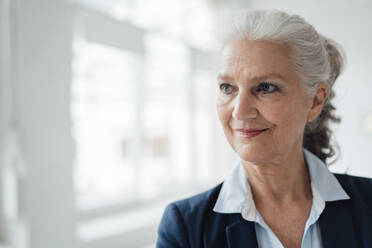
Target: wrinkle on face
(244, 65)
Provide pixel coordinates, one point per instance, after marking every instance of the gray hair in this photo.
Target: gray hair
(315, 58)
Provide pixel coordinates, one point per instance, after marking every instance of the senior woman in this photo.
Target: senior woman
(275, 86)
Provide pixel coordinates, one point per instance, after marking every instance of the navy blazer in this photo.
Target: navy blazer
(193, 223)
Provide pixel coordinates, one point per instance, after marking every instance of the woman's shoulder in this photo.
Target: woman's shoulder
(199, 202)
(355, 181)
(359, 188)
(184, 215)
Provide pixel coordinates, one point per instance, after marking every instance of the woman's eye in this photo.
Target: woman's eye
(226, 88)
(267, 88)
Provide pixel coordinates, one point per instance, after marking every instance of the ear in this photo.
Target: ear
(318, 101)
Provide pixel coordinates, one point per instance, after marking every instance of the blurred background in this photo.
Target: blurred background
(107, 112)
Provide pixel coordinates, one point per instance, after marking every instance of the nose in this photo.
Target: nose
(244, 108)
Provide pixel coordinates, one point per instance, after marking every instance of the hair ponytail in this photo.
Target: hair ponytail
(317, 137)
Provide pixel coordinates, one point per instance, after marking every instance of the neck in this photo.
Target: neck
(282, 182)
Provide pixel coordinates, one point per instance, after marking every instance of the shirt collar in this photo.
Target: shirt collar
(236, 196)
(324, 181)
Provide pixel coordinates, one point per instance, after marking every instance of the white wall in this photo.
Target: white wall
(4, 104)
(44, 33)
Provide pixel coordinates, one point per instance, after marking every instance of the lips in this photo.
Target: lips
(249, 133)
(250, 130)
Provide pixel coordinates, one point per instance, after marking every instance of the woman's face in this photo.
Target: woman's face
(259, 89)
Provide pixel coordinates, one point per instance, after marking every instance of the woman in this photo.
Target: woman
(275, 86)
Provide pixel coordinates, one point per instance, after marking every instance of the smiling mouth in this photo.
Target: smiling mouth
(251, 130)
(250, 133)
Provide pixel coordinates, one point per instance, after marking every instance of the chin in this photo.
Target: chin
(253, 160)
(254, 156)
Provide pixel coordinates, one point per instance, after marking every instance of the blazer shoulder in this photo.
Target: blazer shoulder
(356, 187)
(200, 202)
(182, 220)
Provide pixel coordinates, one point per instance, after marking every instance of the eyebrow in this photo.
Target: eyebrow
(227, 78)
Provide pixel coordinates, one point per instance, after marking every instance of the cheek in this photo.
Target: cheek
(290, 118)
(223, 116)
(224, 110)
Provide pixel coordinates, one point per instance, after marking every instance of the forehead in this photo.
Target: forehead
(252, 59)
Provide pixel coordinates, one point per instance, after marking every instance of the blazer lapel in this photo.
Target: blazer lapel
(336, 225)
(241, 234)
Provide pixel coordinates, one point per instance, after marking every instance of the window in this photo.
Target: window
(143, 124)
(104, 116)
(166, 112)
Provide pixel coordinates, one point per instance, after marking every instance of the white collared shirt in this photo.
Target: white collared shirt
(236, 197)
